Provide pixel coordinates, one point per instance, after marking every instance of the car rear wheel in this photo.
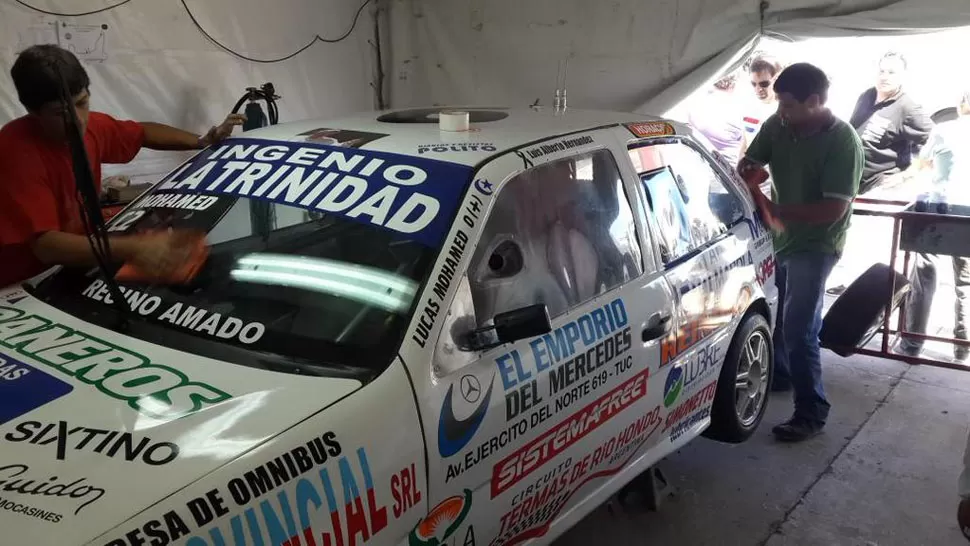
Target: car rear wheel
(742, 388)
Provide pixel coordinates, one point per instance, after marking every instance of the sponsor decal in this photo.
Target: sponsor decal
(555, 348)
(567, 381)
(412, 196)
(441, 281)
(313, 494)
(705, 361)
(560, 145)
(578, 358)
(683, 378)
(160, 209)
(765, 270)
(682, 413)
(163, 200)
(24, 388)
(650, 128)
(16, 480)
(542, 481)
(13, 295)
(696, 329)
(441, 147)
(493, 445)
(531, 515)
(716, 275)
(673, 385)
(682, 427)
(760, 233)
(340, 137)
(65, 439)
(29, 510)
(151, 389)
(442, 521)
(189, 317)
(453, 433)
(549, 445)
(484, 187)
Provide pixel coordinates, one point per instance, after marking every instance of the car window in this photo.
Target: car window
(298, 274)
(559, 234)
(687, 197)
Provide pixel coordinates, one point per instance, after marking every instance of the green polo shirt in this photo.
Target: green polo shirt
(827, 164)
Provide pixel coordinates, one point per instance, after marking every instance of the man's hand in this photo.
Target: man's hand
(746, 167)
(161, 254)
(222, 131)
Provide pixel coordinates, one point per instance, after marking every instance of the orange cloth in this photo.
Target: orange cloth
(198, 254)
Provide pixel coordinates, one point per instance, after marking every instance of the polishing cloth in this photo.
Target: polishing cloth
(197, 256)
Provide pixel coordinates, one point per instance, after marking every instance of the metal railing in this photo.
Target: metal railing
(901, 212)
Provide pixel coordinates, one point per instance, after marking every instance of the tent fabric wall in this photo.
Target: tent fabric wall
(159, 67)
(630, 55)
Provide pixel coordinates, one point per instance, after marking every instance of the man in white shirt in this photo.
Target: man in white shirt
(947, 155)
(762, 72)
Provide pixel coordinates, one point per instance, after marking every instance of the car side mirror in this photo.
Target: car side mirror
(510, 326)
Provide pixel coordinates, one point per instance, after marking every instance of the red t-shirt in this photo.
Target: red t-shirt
(37, 188)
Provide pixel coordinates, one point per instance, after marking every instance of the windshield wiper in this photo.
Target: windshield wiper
(88, 203)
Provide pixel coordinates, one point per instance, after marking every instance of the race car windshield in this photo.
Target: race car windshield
(285, 276)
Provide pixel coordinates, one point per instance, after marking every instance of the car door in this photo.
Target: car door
(526, 430)
(698, 218)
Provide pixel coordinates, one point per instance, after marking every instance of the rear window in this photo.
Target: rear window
(317, 253)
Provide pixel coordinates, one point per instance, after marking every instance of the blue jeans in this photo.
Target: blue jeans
(800, 279)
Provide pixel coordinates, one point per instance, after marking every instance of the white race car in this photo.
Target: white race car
(401, 336)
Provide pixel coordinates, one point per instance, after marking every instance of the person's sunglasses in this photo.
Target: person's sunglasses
(761, 84)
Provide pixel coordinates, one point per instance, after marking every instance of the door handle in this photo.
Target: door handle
(658, 325)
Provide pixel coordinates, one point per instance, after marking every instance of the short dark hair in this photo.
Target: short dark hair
(802, 80)
(894, 55)
(35, 75)
(765, 63)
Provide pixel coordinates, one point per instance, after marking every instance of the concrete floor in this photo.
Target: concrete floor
(883, 473)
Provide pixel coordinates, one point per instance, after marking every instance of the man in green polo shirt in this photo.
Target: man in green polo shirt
(816, 163)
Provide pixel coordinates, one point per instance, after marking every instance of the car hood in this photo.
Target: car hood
(96, 426)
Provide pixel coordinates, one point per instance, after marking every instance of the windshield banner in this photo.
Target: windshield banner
(409, 195)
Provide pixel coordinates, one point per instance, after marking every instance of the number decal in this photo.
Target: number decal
(126, 220)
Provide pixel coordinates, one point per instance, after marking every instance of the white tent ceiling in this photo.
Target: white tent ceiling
(623, 54)
(153, 63)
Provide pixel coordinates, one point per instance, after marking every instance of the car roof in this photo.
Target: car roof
(415, 132)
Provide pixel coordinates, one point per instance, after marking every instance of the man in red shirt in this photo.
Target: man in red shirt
(40, 221)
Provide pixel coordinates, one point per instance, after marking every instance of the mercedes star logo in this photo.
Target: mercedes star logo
(471, 389)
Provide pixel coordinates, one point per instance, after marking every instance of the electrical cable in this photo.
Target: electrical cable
(92, 12)
(316, 38)
(88, 203)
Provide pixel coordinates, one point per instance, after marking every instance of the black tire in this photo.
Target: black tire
(949, 113)
(726, 424)
(857, 313)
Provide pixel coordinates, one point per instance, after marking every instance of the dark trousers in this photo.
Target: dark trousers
(920, 299)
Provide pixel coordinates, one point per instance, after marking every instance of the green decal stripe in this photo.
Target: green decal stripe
(102, 361)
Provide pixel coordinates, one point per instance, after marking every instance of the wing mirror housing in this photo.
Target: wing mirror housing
(510, 326)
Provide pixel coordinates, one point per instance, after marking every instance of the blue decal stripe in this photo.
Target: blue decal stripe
(413, 196)
(24, 388)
